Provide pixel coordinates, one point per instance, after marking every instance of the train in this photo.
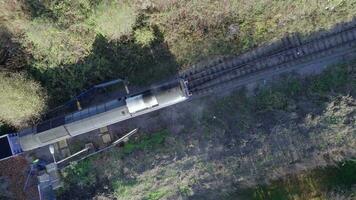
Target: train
(94, 117)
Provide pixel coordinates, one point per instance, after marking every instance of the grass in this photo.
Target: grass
(309, 185)
(78, 177)
(80, 174)
(333, 79)
(114, 19)
(185, 190)
(196, 30)
(122, 189)
(69, 29)
(158, 166)
(155, 195)
(91, 41)
(145, 186)
(61, 46)
(281, 94)
(144, 36)
(125, 189)
(268, 99)
(147, 142)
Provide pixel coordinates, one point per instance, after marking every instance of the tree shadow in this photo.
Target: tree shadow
(13, 57)
(124, 58)
(37, 8)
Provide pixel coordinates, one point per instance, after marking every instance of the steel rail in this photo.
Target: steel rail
(316, 47)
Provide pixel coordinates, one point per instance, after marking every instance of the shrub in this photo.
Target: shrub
(333, 78)
(65, 31)
(268, 99)
(144, 36)
(52, 46)
(312, 184)
(122, 189)
(291, 87)
(155, 195)
(68, 12)
(113, 19)
(81, 174)
(21, 99)
(147, 142)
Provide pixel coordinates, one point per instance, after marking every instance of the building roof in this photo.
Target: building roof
(141, 102)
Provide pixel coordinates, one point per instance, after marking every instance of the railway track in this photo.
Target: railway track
(281, 54)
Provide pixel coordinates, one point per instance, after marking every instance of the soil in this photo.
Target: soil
(14, 171)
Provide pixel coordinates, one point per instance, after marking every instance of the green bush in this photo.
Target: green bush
(81, 175)
(290, 87)
(65, 31)
(341, 176)
(333, 78)
(269, 99)
(68, 13)
(114, 19)
(147, 142)
(52, 46)
(144, 36)
(312, 184)
(155, 195)
(79, 181)
(22, 100)
(122, 190)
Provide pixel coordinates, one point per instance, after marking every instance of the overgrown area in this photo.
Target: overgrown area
(331, 182)
(50, 50)
(197, 30)
(277, 143)
(67, 46)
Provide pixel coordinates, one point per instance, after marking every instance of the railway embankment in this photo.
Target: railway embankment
(212, 146)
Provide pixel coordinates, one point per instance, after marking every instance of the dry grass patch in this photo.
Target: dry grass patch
(196, 30)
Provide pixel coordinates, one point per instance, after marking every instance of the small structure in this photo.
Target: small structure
(105, 135)
(45, 189)
(48, 181)
(63, 148)
(9, 146)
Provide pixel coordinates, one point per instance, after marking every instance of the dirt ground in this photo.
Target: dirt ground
(13, 173)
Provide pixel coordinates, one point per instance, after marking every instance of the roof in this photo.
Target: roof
(45, 189)
(5, 149)
(141, 102)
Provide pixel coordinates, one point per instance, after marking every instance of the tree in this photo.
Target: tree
(21, 100)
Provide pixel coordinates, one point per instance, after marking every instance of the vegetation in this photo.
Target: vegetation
(314, 184)
(83, 176)
(144, 36)
(67, 46)
(79, 177)
(57, 48)
(147, 142)
(21, 99)
(114, 19)
(237, 144)
(196, 30)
